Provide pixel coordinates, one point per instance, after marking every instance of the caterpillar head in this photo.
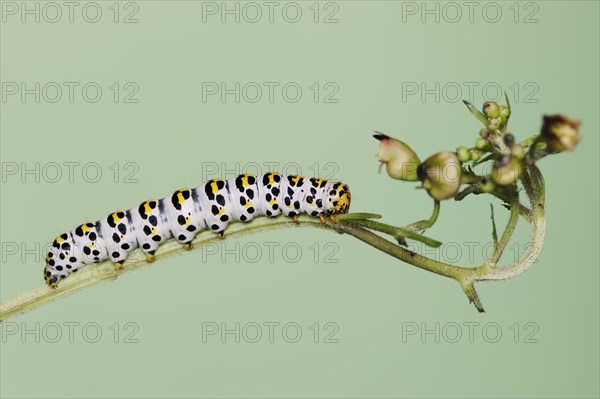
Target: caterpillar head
(338, 198)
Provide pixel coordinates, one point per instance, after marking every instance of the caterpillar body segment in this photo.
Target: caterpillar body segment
(181, 215)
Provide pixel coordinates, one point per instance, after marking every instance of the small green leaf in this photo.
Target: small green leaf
(507, 102)
(494, 232)
(484, 159)
(476, 113)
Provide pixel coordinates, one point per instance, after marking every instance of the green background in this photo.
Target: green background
(172, 135)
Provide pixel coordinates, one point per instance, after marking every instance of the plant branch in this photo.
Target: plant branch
(356, 225)
(398, 233)
(508, 232)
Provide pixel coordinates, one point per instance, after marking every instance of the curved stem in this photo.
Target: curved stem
(465, 276)
(425, 224)
(95, 274)
(534, 185)
(508, 232)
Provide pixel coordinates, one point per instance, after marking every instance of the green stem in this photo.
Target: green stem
(398, 233)
(534, 184)
(465, 276)
(508, 232)
(425, 224)
(528, 141)
(523, 210)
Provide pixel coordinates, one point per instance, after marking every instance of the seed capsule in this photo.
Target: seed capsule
(440, 174)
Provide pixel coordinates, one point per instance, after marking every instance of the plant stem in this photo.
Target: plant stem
(398, 233)
(535, 186)
(508, 232)
(425, 224)
(350, 224)
(528, 141)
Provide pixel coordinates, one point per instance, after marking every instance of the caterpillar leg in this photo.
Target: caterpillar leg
(296, 219)
(150, 257)
(187, 245)
(332, 218)
(119, 265)
(322, 219)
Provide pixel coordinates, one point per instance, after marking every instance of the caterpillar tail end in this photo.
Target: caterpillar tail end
(51, 280)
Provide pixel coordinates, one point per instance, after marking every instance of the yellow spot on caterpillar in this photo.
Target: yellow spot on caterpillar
(214, 187)
(248, 204)
(116, 217)
(180, 197)
(147, 208)
(86, 227)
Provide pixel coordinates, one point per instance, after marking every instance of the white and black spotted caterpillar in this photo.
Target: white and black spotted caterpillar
(186, 212)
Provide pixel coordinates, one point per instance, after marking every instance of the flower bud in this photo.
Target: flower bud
(463, 154)
(518, 152)
(560, 133)
(400, 160)
(481, 143)
(486, 185)
(484, 133)
(504, 113)
(494, 124)
(491, 109)
(475, 154)
(506, 170)
(440, 175)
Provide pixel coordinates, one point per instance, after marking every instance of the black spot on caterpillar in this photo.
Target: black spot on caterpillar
(212, 205)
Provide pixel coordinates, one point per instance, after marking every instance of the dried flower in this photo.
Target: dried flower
(560, 133)
(400, 160)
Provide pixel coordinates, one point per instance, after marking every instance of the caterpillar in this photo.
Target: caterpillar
(180, 216)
